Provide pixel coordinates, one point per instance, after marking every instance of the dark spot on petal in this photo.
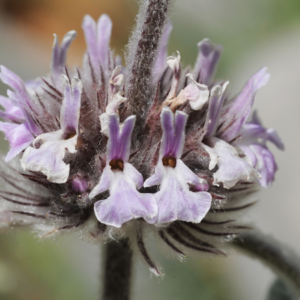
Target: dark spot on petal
(117, 164)
(69, 134)
(169, 161)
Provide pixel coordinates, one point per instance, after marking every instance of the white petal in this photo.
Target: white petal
(104, 183)
(232, 168)
(174, 62)
(213, 156)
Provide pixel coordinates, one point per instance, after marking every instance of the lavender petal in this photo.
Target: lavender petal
(112, 145)
(232, 168)
(70, 110)
(97, 37)
(266, 164)
(184, 173)
(9, 107)
(27, 112)
(157, 177)
(168, 138)
(178, 143)
(65, 44)
(104, 27)
(105, 182)
(59, 54)
(160, 63)
(256, 134)
(216, 101)
(119, 139)
(176, 202)
(90, 34)
(196, 93)
(249, 155)
(12, 113)
(124, 138)
(19, 138)
(20, 98)
(207, 60)
(48, 158)
(240, 109)
(250, 133)
(124, 203)
(16, 83)
(135, 176)
(273, 137)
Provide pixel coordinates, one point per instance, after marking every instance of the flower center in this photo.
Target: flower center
(117, 164)
(169, 161)
(69, 134)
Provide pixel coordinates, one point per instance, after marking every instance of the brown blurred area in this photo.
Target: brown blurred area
(42, 18)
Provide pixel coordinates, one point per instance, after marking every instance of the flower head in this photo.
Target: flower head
(136, 148)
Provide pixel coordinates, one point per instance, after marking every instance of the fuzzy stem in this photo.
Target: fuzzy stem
(280, 259)
(117, 270)
(142, 50)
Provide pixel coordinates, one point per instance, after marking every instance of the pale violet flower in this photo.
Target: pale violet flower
(175, 201)
(122, 180)
(49, 149)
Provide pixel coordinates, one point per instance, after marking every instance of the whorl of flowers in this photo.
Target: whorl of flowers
(174, 157)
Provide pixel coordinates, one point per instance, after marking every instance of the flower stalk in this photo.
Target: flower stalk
(117, 270)
(284, 262)
(142, 50)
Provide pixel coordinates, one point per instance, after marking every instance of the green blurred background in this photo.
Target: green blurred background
(254, 33)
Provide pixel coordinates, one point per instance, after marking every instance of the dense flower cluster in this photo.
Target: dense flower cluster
(178, 169)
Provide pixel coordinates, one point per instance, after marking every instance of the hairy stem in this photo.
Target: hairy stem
(117, 270)
(280, 259)
(142, 50)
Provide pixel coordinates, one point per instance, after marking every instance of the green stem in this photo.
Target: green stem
(117, 270)
(279, 258)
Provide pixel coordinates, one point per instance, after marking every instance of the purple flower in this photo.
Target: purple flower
(122, 179)
(97, 37)
(20, 127)
(49, 149)
(145, 147)
(19, 137)
(207, 60)
(175, 201)
(12, 113)
(252, 143)
(59, 55)
(231, 167)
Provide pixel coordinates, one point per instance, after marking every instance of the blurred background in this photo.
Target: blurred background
(254, 34)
